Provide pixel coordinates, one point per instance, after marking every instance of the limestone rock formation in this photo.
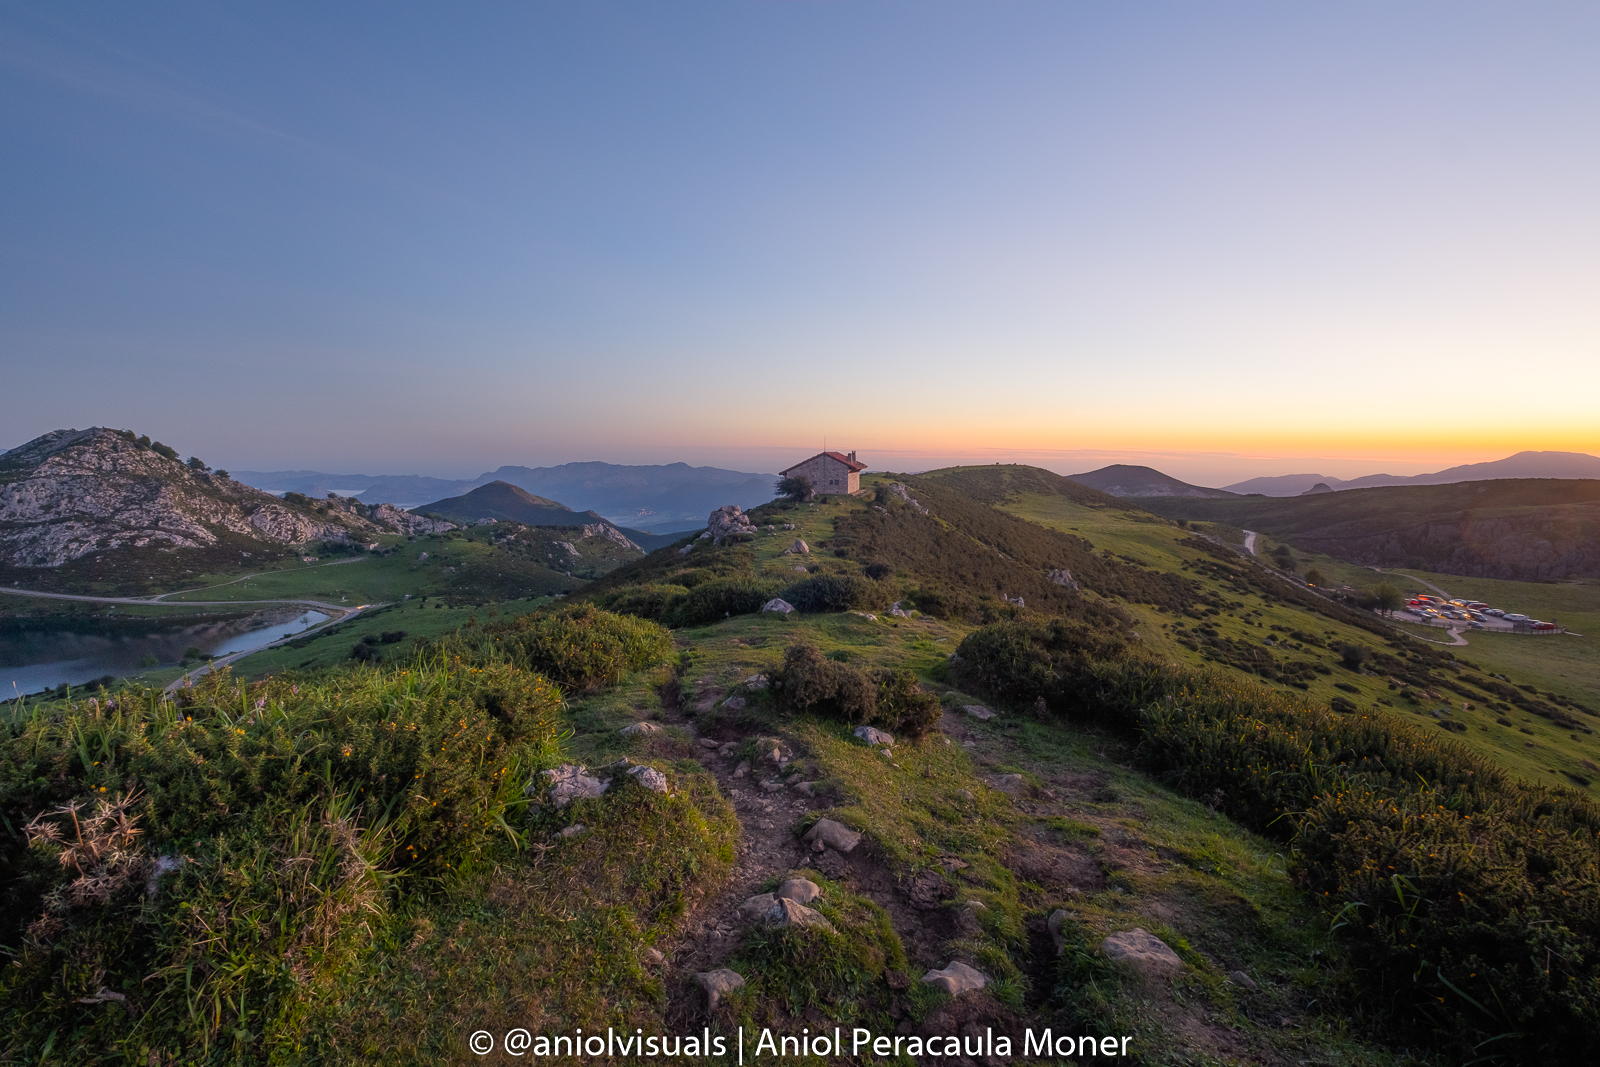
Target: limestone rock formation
(1062, 576)
(799, 890)
(73, 493)
(729, 523)
(1143, 952)
(785, 912)
(570, 782)
(718, 984)
(956, 979)
(829, 834)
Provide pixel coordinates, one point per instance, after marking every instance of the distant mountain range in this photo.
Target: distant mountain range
(1521, 465)
(657, 498)
(1126, 480)
(507, 502)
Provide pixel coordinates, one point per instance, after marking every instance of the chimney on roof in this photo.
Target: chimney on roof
(852, 457)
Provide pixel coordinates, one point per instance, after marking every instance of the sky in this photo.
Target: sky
(1225, 240)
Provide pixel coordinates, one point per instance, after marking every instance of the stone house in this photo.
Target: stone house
(829, 472)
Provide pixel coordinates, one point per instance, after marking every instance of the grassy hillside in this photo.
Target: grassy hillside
(1173, 738)
(1520, 529)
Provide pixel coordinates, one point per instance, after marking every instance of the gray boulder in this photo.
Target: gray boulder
(570, 782)
(829, 834)
(718, 984)
(728, 523)
(755, 683)
(956, 979)
(1143, 952)
(779, 605)
(650, 778)
(785, 912)
(799, 890)
(734, 703)
(1062, 577)
(757, 906)
(1244, 981)
(874, 736)
(800, 548)
(640, 728)
(978, 711)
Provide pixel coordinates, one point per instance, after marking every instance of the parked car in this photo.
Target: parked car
(1493, 611)
(1544, 626)
(1516, 618)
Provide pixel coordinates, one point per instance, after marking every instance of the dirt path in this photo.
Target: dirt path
(1250, 541)
(767, 846)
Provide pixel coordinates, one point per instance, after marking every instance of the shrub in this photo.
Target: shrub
(645, 601)
(877, 571)
(941, 603)
(580, 646)
(274, 823)
(1024, 659)
(829, 592)
(710, 601)
(809, 681)
(902, 707)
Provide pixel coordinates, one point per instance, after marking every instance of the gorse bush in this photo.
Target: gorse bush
(902, 707)
(831, 592)
(200, 866)
(1472, 899)
(1026, 658)
(647, 601)
(717, 599)
(810, 681)
(580, 646)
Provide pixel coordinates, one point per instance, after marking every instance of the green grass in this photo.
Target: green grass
(1222, 895)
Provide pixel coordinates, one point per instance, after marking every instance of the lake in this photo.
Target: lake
(43, 655)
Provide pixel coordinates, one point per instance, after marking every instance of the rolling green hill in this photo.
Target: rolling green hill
(1528, 529)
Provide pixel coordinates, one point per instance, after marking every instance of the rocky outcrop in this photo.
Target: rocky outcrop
(610, 533)
(900, 491)
(1062, 576)
(71, 493)
(407, 523)
(729, 523)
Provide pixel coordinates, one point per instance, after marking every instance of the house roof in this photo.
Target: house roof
(846, 460)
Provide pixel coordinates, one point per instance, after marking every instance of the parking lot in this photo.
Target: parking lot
(1470, 615)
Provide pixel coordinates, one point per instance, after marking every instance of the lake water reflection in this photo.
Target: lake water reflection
(32, 659)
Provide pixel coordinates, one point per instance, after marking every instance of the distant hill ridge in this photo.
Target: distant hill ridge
(511, 503)
(1521, 465)
(657, 497)
(1525, 529)
(1127, 480)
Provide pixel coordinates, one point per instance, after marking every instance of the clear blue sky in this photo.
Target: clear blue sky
(437, 238)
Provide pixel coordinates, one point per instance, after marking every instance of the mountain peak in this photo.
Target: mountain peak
(1132, 480)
